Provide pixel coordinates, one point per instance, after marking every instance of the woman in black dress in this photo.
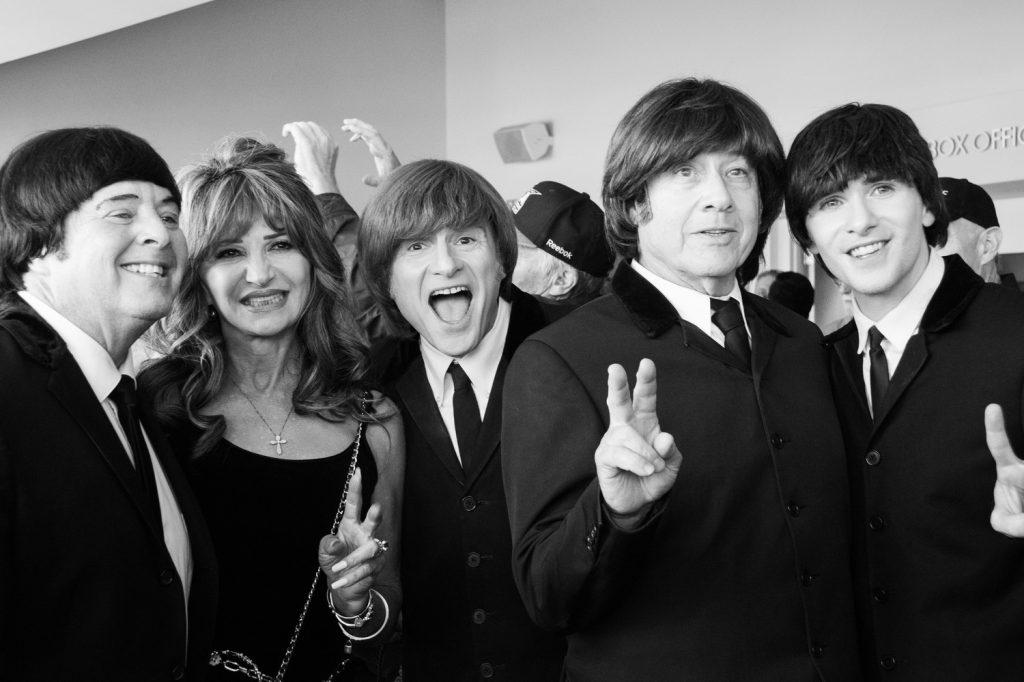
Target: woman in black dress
(263, 389)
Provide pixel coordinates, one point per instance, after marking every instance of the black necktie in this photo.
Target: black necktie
(467, 413)
(727, 316)
(879, 368)
(125, 398)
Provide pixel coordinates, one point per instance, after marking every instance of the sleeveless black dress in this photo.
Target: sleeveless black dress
(266, 517)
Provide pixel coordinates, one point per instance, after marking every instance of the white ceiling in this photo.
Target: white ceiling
(28, 27)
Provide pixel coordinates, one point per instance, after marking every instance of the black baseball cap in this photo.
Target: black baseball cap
(966, 200)
(565, 223)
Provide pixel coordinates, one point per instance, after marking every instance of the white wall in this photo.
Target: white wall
(246, 66)
(581, 64)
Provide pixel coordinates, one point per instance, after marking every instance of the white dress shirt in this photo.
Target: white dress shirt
(692, 305)
(900, 323)
(103, 377)
(480, 365)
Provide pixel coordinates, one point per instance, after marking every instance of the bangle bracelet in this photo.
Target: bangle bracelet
(348, 622)
(357, 620)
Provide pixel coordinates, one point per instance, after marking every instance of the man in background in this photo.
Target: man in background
(563, 255)
(794, 291)
(974, 233)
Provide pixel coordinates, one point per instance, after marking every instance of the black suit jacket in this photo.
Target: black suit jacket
(742, 570)
(940, 595)
(462, 616)
(87, 588)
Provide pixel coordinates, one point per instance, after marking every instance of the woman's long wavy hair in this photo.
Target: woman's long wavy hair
(245, 181)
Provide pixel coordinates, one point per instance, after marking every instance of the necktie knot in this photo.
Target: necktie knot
(726, 314)
(875, 339)
(459, 377)
(124, 395)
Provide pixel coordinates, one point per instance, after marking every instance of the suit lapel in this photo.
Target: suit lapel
(414, 391)
(70, 388)
(526, 317)
(762, 339)
(850, 361)
(914, 357)
(490, 430)
(696, 339)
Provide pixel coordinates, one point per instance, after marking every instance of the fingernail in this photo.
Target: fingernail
(341, 582)
(341, 565)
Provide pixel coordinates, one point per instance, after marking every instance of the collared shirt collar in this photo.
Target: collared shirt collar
(903, 321)
(93, 359)
(692, 305)
(480, 364)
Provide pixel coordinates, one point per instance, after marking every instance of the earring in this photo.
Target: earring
(211, 312)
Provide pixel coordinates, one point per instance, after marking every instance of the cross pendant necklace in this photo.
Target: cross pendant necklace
(278, 441)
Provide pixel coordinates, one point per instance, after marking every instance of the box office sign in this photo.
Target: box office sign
(981, 139)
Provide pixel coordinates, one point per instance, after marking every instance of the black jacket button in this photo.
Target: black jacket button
(486, 671)
(873, 458)
(479, 616)
(468, 503)
(793, 508)
(178, 672)
(888, 663)
(876, 523)
(880, 595)
(166, 577)
(473, 560)
(777, 441)
(817, 651)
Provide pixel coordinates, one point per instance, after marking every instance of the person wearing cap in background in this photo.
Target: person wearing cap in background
(563, 256)
(974, 232)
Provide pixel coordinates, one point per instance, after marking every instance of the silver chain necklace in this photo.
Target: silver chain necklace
(237, 662)
(278, 441)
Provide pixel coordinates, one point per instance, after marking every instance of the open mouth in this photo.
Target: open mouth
(865, 250)
(264, 300)
(145, 269)
(451, 304)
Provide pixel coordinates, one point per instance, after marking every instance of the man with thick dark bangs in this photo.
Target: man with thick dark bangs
(931, 355)
(106, 567)
(711, 541)
(438, 247)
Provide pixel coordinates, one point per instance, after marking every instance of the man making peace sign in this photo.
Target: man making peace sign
(696, 527)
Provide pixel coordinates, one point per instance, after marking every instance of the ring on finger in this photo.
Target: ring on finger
(382, 547)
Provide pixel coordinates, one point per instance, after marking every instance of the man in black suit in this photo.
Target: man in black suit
(710, 543)
(438, 247)
(106, 570)
(931, 355)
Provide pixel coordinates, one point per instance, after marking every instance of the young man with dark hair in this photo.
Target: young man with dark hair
(696, 526)
(106, 568)
(437, 247)
(939, 592)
